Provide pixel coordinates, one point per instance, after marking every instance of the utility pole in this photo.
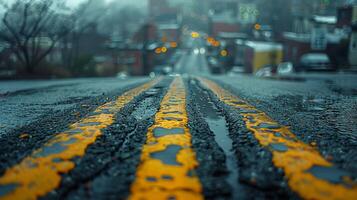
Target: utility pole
(145, 47)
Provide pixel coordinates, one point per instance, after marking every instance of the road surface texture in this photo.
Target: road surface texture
(189, 136)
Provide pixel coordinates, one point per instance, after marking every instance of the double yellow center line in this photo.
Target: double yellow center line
(168, 161)
(301, 163)
(40, 172)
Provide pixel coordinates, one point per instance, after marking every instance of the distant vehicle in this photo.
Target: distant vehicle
(315, 61)
(285, 68)
(196, 51)
(122, 75)
(214, 65)
(236, 70)
(175, 57)
(261, 54)
(266, 71)
(161, 70)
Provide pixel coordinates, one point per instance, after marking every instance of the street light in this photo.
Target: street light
(173, 44)
(195, 34)
(163, 49)
(224, 53)
(158, 50)
(257, 27)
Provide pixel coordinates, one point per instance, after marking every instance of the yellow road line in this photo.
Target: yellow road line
(304, 167)
(40, 173)
(167, 160)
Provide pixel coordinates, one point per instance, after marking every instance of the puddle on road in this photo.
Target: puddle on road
(55, 148)
(172, 119)
(173, 112)
(267, 126)
(314, 104)
(160, 132)
(279, 147)
(152, 91)
(89, 124)
(169, 155)
(6, 189)
(331, 174)
(217, 124)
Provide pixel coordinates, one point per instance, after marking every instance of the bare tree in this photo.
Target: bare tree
(32, 28)
(88, 13)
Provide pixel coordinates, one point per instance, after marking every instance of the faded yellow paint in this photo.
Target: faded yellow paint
(154, 178)
(294, 157)
(40, 173)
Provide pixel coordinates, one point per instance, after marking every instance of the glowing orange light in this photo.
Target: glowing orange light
(216, 44)
(257, 26)
(158, 50)
(210, 40)
(163, 49)
(224, 53)
(195, 35)
(173, 44)
(164, 39)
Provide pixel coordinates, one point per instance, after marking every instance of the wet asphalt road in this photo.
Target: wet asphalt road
(24, 102)
(232, 161)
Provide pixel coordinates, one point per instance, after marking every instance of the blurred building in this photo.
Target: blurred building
(223, 16)
(169, 33)
(352, 56)
(322, 39)
(161, 11)
(167, 18)
(346, 16)
(147, 33)
(319, 27)
(149, 47)
(347, 20)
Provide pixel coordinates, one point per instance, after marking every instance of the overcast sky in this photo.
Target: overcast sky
(74, 3)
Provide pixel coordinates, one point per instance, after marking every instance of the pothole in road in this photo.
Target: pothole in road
(218, 125)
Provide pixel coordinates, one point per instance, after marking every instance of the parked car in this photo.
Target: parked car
(285, 68)
(236, 70)
(123, 75)
(214, 65)
(161, 70)
(175, 57)
(315, 61)
(266, 71)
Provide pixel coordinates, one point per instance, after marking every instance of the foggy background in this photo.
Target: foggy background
(71, 38)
